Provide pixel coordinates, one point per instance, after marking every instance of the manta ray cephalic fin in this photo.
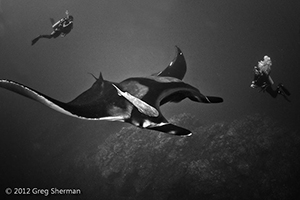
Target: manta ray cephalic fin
(142, 106)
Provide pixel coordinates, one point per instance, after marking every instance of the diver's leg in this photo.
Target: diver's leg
(272, 92)
(46, 36)
(279, 90)
(54, 34)
(39, 37)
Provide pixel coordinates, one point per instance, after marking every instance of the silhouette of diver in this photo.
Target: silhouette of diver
(60, 28)
(263, 80)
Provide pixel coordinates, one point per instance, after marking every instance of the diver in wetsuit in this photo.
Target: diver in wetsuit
(263, 80)
(60, 28)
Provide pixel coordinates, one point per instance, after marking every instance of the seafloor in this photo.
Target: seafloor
(249, 158)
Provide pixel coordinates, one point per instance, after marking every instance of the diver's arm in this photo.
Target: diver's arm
(52, 21)
(67, 23)
(60, 21)
(257, 71)
(268, 77)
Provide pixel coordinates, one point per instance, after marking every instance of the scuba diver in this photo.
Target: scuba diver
(60, 28)
(263, 80)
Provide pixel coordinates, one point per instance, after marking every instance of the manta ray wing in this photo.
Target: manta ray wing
(100, 102)
(134, 100)
(176, 68)
(34, 95)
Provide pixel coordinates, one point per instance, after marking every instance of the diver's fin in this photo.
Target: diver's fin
(283, 92)
(281, 86)
(172, 130)
(35, 40)
(285, 97)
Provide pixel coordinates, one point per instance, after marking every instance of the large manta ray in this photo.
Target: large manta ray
(135, 100)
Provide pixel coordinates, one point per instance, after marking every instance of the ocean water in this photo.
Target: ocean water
(244, 148)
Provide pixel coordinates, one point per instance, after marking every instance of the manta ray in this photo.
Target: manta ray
(135, 100)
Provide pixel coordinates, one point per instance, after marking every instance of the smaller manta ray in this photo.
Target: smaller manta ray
(135, 100)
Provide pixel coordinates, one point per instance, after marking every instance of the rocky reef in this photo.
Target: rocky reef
(249, 158)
